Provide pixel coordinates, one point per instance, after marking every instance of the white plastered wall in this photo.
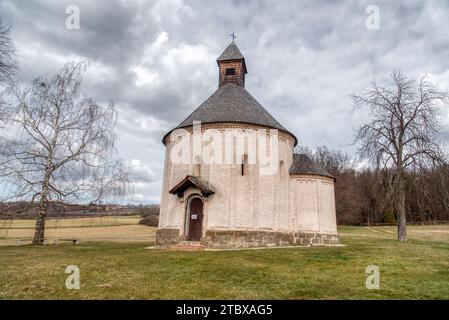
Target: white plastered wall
(277, 202)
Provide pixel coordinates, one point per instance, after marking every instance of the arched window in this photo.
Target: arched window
(282, 171)
(245, 167)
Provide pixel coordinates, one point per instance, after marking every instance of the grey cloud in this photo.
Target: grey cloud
(304, 58)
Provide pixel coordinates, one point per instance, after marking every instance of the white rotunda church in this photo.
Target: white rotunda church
(232, 180)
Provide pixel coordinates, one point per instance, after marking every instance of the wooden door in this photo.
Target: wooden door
(195, 220)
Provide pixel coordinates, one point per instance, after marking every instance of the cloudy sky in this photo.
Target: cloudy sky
(156, 61)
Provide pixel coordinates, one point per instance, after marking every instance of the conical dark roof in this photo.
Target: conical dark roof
(232, 52)
(302, 164)
(232, 103)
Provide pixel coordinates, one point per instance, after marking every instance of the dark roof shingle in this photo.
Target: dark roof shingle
(231, 52)
(232, 103)
(191, 181)
(302, 164)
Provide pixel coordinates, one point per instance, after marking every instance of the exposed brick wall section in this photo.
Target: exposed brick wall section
(238, 78)
(253, 239)
(167, 236)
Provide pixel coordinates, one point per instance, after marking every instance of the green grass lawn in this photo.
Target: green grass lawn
(418, 269)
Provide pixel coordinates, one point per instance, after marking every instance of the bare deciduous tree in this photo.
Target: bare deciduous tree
(8, 65)
(402, 134)
(334, 161)
(59, 146)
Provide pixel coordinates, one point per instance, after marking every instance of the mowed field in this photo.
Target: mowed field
(126, 269)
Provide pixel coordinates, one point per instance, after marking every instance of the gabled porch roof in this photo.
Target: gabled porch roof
(191, 181)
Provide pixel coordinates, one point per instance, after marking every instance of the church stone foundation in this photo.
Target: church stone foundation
(253, 239)
(167, 236)
(234, 239)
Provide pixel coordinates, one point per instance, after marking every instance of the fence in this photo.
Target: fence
(411, 223)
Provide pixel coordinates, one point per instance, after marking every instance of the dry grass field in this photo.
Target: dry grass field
(127, 229)
(110, 229)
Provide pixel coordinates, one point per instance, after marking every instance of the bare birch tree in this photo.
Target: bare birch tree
(8, 64)
(402, 134)
(59, 146)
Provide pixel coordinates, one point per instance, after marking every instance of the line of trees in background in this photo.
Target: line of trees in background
(361, 194)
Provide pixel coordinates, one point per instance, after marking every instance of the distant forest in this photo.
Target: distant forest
(361, 193)
(57, 210)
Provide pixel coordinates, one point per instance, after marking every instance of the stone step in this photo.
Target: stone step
(186, 246)
(192, 243)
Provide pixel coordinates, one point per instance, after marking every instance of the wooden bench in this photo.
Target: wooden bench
(74, 241)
